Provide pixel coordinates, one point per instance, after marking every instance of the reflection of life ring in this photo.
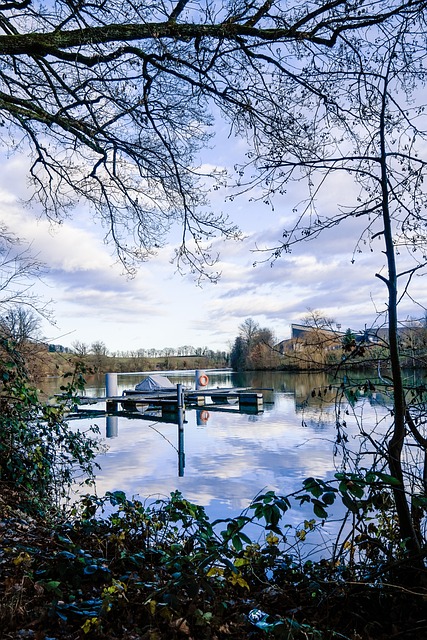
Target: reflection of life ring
(204, 416)
(203, 380)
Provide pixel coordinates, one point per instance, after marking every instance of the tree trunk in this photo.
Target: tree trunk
(395, 446)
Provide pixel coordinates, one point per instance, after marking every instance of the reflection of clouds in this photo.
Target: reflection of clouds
(234, 456)
(320, 274)
(231, 457)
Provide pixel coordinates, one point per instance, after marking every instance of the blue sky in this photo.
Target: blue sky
(161, 308)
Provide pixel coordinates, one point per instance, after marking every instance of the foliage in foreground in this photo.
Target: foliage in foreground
(119, 568)
(40, 455)
(164, 571)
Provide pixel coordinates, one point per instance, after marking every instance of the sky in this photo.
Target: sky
(92, 300)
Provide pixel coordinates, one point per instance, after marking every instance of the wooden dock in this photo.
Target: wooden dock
(243, 400)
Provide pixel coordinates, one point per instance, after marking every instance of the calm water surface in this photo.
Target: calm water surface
(230, 457)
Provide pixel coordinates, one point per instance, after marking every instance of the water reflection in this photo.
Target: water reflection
(112, 426)
(221, 460)
(181, 452)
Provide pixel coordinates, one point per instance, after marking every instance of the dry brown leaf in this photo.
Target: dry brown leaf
(181, 625)
(225, 628)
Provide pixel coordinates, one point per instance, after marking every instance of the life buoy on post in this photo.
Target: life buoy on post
(203, 380)
(204, 416)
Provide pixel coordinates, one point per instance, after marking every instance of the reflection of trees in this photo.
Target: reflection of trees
(319, 423)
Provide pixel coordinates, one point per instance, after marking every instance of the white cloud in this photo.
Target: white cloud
(161, 308)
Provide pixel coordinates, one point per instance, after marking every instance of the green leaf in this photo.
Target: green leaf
(419, 500)
(343, 486)
(245, 538)
(349, 503)
(275, 529)
(283, 504)
(313, 486)
(356, 490)
(340, 476)
(237, 543)
(116, 497)
(52, 585)
(387, 479)
(329, 497)
(319, 510)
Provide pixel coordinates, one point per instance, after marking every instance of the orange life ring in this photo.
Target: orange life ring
(204, 416)
(203, 380)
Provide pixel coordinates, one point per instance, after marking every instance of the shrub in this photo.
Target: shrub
(40, 455)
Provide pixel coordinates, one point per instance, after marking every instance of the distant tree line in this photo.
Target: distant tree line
(98, 356)
(178, 352)
(20, 327)
(99, 348)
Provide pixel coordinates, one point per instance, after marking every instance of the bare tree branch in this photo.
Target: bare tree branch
(116, 101)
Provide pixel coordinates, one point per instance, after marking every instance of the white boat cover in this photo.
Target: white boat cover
(155, 383)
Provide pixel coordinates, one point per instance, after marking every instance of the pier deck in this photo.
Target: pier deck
(242, 399)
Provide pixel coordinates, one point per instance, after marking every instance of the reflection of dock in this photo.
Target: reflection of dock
(168, 407)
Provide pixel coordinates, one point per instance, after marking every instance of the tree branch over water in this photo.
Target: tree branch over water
(116, 103)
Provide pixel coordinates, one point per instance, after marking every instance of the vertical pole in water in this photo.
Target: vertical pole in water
(110, 384)
(179, 396)
(181, 453)
(197, 374)
(111, 391)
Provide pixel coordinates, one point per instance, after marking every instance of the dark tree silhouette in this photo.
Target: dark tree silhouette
(20, 324)
(361, 109)
(115, 101)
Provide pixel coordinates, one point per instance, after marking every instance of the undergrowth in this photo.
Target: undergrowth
(114, 567)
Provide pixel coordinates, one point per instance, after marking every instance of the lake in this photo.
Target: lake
(231, 456)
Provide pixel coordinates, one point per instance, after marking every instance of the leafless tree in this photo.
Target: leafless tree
(100, 353)
(115, 101)
(80, 348)
(99, 348)
(20, 324)
(254, 347)
(360, 115)
(248, 331)
(317, 320)
(19, 269)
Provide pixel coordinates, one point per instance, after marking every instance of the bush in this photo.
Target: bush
(40, 455)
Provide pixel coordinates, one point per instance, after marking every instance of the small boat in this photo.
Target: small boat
(146, 391)
(155, 384)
